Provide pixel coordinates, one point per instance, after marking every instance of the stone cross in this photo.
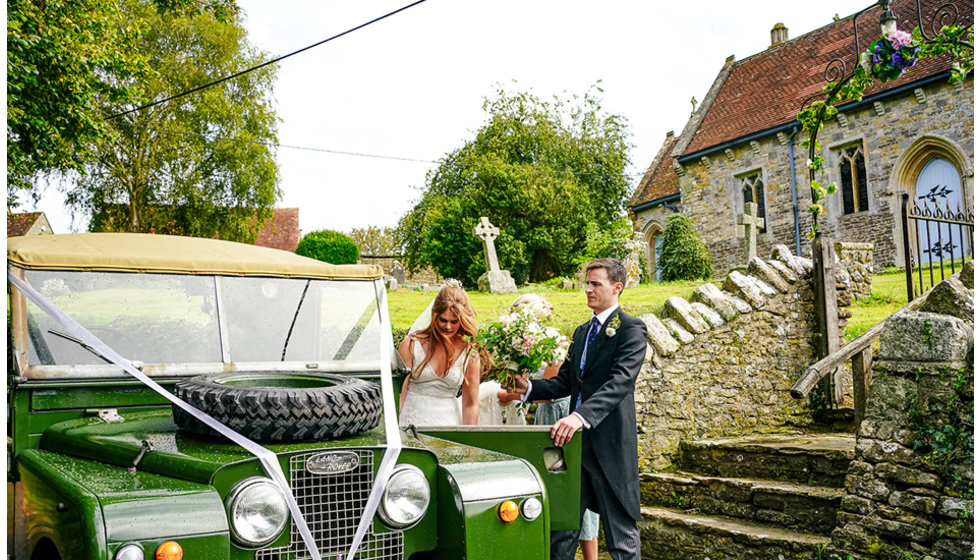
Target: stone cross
(487, 232)
(751, 223)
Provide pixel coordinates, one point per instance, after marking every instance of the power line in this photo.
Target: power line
(380, 156)
(264, 64)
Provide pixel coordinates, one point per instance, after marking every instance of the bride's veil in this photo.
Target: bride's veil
(425, 319)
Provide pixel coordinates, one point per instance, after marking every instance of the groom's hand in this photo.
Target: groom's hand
(517, 384)
(564, 429)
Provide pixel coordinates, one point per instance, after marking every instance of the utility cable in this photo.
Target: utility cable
(380, 156)
(264, 64)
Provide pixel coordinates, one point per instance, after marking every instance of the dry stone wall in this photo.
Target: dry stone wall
(858, 260)
(723, 363)
(910, 487)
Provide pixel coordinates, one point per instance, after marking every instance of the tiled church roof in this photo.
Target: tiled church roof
(769, 89)
(660, 180)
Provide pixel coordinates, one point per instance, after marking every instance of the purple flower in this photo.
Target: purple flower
(900, 39)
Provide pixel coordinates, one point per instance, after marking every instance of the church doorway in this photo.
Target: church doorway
(939, 193)
(654, 240)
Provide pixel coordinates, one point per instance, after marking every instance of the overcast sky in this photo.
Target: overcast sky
(412, 85)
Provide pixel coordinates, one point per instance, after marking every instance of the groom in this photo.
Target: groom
(600, 373)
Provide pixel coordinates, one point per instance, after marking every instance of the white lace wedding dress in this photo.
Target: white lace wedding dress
(431, 399)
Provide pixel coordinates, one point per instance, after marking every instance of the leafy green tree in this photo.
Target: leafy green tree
(608, 243)
(682, 254)
(545, 172)
(202, 165)
(65, 62)
(328, 246)
(374, 240)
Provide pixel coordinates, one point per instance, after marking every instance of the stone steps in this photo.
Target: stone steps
(758, 497)
(790, 505)
(670, 534)
(815, 459)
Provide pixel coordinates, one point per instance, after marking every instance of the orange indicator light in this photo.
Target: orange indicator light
(169, 551)
(507, 511)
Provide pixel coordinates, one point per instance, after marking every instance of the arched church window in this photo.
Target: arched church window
(853, 180)
(753, 190)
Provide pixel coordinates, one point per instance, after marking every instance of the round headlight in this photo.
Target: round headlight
(129, 552)
(531, 508)
(257, 512)
(405, 499)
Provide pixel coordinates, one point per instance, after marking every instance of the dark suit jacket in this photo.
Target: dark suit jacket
(612, 364)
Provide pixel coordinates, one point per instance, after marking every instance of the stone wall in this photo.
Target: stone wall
(910, 487)
(898, 134)
(394, 269)
(858, 260)
(723, 364)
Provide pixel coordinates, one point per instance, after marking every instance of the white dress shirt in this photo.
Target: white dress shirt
(602, 316)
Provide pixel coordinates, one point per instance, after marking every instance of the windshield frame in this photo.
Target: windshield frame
(43, 372)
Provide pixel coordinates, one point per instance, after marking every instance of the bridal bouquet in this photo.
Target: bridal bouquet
(518, 343)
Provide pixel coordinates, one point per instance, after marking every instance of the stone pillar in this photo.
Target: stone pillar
(910, 486)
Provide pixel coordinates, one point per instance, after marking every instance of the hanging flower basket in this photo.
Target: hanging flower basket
(889, 57)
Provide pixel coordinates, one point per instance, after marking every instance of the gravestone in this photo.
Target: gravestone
(494, 280)
(398, 272)
(751, 223)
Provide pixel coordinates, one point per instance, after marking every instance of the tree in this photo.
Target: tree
(201, 165)
(65, 61)
(328, 246)
(682, 255)
(546, 173)
(375, 241)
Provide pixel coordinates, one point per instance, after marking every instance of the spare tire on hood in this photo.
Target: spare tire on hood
(272, 406)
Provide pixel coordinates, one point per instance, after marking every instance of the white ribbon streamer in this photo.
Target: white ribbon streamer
(393, 438)
(268, 459)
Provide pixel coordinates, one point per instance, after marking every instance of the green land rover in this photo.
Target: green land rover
(173, 397)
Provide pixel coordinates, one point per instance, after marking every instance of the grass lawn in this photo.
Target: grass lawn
(570, 310)
(887, 297)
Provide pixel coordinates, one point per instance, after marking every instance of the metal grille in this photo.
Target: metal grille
(332, 506)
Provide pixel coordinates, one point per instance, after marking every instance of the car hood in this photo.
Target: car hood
(172, 453)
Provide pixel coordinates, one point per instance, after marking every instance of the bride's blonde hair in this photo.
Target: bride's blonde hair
(451, 298)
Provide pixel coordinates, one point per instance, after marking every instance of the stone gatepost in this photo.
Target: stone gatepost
(909, 490)
(494, 280)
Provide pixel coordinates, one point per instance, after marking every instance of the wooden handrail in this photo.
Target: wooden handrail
(813, 374)
(821, 369)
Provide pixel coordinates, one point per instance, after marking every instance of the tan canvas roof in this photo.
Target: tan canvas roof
(137, 252)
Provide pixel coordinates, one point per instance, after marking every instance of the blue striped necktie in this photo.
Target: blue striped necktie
(593, 330)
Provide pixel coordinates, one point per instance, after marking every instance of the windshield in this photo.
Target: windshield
(182, 319)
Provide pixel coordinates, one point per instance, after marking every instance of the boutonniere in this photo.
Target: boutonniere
(613, 326)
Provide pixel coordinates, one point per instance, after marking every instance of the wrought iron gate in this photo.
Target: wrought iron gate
(938, 238)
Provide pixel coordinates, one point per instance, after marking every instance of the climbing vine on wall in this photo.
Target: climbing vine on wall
(943, 426)
(888, 58)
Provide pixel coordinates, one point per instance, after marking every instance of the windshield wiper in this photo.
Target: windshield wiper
(79, 342)
(70, 338)
(293, 322)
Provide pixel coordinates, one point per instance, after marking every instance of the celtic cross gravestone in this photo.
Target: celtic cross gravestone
(487, 232)
(494, 280)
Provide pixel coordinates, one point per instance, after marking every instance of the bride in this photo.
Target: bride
(443, 364)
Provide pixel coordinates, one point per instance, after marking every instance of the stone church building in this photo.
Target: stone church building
(912, 135)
